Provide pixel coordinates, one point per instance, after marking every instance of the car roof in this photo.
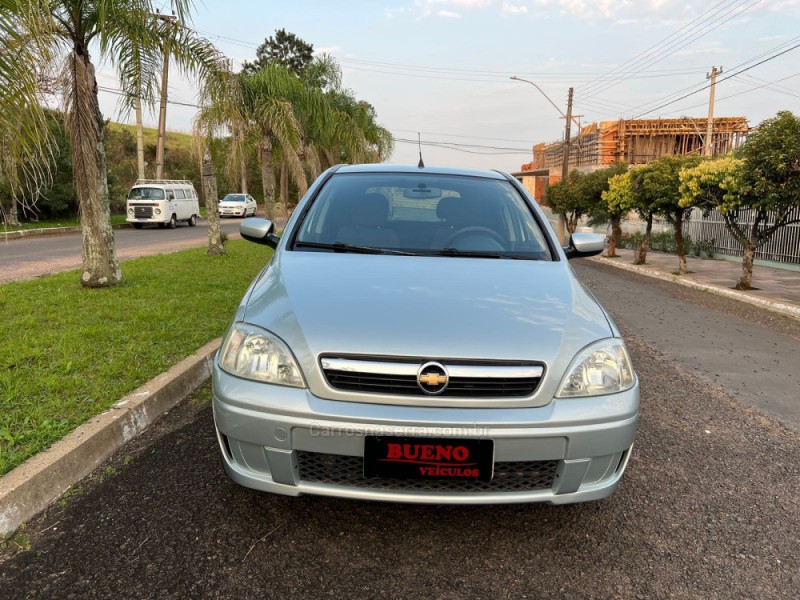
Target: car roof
(387, 168)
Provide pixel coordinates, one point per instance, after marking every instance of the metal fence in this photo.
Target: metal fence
(783, 246)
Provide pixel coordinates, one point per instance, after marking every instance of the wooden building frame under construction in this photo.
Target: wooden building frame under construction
(635, 142)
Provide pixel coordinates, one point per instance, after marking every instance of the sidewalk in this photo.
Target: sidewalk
(778, 289)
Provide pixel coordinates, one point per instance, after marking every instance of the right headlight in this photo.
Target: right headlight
(601, 368)
(254, 353)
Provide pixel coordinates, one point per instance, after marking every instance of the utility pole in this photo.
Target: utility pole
(169, 20)
(708, 148)
(562, 225)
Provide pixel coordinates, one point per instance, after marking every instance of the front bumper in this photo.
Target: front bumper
(288, 441)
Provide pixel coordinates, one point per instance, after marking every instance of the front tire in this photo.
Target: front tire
(138, 225)
(173, 222)
(192, 220)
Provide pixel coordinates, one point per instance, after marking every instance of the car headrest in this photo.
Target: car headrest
(370, 210)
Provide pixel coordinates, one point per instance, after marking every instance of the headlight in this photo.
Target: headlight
(253, 353)
(130, 211)
(158, 211)
(601, 368)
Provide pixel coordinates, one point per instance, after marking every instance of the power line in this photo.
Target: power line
(468, 148)
(683, 110)
(658, 53)
(653, 47)
(761, 62)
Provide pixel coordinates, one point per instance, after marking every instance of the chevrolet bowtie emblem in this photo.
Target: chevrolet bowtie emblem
(432, 379)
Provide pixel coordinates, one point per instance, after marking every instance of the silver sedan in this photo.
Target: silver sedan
(419, 336)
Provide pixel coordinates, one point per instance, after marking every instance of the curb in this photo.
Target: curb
(784, 308)
(43, 478)
(24, 233)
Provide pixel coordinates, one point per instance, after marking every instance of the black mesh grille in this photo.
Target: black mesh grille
(334, 469)
(406, 385)
(142, 212)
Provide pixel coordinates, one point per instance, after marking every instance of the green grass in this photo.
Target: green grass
(63, 222)
(68, 353)
(172, 140)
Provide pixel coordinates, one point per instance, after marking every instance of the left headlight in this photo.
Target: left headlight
(603, 367)
(254, 353)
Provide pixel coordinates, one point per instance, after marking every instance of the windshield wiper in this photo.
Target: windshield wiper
(345, 247)
(480, 254)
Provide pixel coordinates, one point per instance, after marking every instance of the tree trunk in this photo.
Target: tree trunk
(746, 280)
(677, 225)
(268, 178)
(216, 247)
(100, 265)
(641, 257)
(242, 160)
(285, 189)
(571, 222)
(13, 216)
(616, 234)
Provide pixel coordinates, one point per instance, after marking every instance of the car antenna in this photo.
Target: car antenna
(421, 164)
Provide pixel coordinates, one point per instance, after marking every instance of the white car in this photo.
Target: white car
(237, 205)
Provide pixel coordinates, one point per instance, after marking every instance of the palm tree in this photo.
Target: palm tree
(124, 33)
(25, 141)
(257, 108)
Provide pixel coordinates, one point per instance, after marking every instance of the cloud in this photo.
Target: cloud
(514, 9)
(448, 14)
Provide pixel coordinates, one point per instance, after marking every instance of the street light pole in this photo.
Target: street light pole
(562, 225)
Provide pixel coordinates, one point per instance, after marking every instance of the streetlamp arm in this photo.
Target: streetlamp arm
(515, 78)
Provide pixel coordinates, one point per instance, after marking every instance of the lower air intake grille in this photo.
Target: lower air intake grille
(338, 470)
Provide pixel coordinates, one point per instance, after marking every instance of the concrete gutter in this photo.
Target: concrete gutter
(42, 479)
(24, 233)
(784, 308)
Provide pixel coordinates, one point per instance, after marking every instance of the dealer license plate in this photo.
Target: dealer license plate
(428, 458)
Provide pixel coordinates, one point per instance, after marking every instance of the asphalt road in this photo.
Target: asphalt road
(709, 508)
(751, 353)
(41, 255)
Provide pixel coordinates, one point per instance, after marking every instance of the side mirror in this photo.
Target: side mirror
(170, 196)
(582, 245)
(259, 231)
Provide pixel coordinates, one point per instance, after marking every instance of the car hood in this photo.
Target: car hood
(426, 307)
(232, 204)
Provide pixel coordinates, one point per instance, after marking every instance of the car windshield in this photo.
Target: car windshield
(146, 193)
(422, 214)
(234, 198)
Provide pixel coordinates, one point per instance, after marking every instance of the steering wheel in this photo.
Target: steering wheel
(484, 233)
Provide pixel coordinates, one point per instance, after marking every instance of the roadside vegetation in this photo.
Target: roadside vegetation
(68, 353)
(759, 182)
(284, 118)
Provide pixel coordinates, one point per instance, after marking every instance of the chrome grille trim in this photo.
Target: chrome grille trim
(398, 376)
(410, 369)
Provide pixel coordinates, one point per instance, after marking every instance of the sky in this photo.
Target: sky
(442, 68)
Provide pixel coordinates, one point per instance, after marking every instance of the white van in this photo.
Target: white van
(162, 201)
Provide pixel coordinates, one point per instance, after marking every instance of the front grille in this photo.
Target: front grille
(484, 380)
(338, 470)
(143, 212)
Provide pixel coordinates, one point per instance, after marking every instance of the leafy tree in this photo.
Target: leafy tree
(595, 186)
(284, 48)
(126, 36)
(660, 189)
(566, 198)
(763, 184)
(620, 201)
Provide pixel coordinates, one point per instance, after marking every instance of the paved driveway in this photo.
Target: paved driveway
(709, 508)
